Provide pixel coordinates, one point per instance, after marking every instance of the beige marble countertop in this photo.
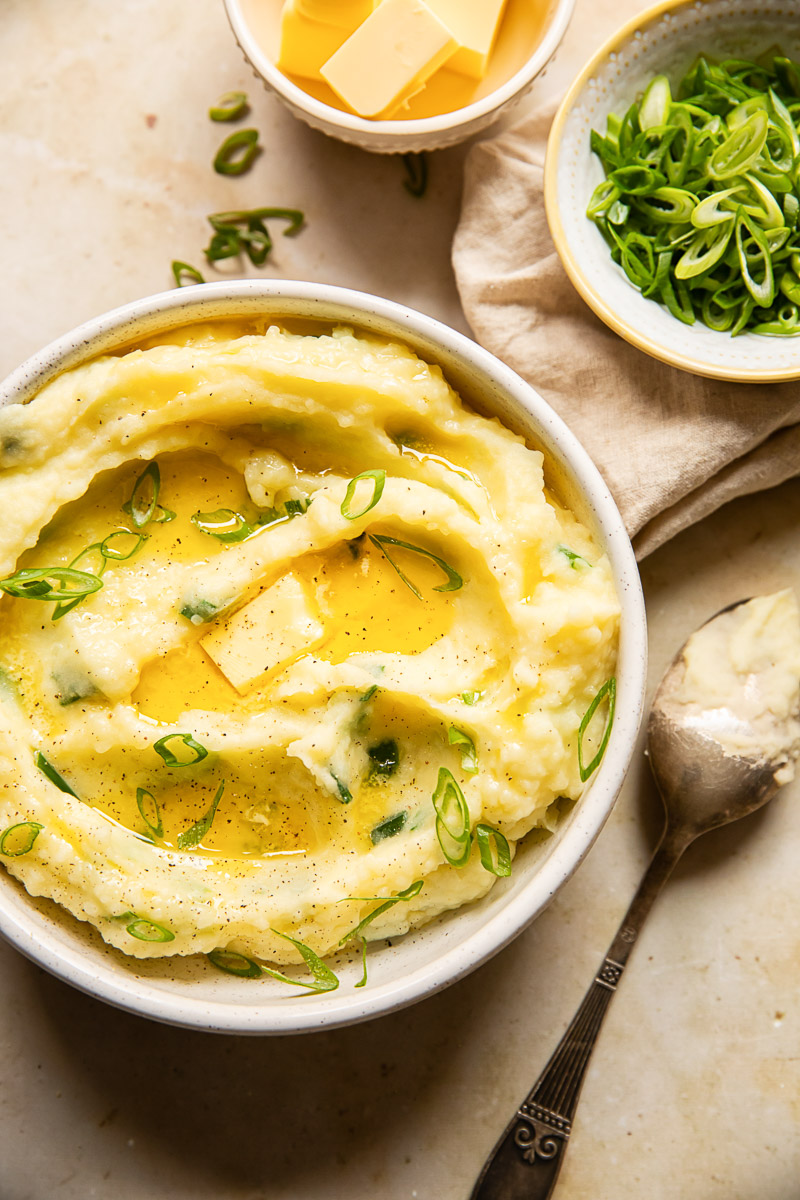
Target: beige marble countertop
(694, 1089)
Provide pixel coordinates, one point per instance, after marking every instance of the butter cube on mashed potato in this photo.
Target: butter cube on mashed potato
(270, 630)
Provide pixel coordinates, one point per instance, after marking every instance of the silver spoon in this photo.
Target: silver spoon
(702, 787)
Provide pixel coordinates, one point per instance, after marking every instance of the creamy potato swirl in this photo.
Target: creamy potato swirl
(321, 659)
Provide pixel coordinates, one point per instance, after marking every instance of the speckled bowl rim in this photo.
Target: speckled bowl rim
(440, 344)
(405, 130)
(593, 298)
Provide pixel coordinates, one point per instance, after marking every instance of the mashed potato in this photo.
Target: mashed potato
(324, 593)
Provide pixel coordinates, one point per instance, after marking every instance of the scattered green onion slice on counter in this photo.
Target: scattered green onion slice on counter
(150, 812)
(179, 269)
(146, 930)
(416, 166)
(452, 819)
(384, 903)
(18, 839)
(607, 693)
(494, 850)
(35, 584)
(244, 231)
(234, 963)
(110, 551)
(388, 827)
(224, 524)
(144, 497)
(195, 834)
(469, 755)
(378, 478)
(49, 771)
(701, 198)
(454, 580)
(229, 107)
(161, 748)
(324, 979)
(237, 152)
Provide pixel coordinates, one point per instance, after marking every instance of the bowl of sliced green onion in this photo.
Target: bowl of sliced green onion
(672, 186)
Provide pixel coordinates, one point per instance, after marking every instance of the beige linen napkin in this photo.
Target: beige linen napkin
(672, 446)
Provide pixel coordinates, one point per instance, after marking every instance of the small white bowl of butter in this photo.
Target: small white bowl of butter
(395, 76)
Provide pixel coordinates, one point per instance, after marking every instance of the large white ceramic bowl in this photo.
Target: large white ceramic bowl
(515, 65)
(663, 40)
(188, 991)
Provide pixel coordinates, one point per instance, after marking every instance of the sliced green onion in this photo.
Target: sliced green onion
(378, 478)
(49, 771)
(655, 104)
(243, 230)
(363, 980)
(452, 819)
(195, 834)
(35, 584)
(741, 149)
(607, 693)
(150, 812)
(144, 497)
(224, 524)
(384, 904)
(388, 827)
(368, 694)
(237, 152)
(324, 979)
(384, 758)
(18, 839)
(179, 269)
(494, 850)
(92, 556)
(469, 755)
(161, 747)
(229, 107)
(199, 611)
(471, 697)
(233, 963)
(454, 580)
(416, 165)
(572, 557)
(146, 930)
(762, 289)
(345, 795)
(110, 551)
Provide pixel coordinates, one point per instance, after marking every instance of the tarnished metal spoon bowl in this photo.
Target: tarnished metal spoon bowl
(721, 739)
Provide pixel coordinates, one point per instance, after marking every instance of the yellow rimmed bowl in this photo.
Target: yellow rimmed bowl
(664, 40)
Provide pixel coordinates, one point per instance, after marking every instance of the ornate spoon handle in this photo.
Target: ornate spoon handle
(525, 1162)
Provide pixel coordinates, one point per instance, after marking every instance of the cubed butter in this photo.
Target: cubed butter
(389, 57)
(271, 630)
(313, 30)
(474, 24)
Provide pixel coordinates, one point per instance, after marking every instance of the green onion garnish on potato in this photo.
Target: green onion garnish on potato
(171, 759)
(452, 819)
(378, 478)
(607, 693)
(453, 580)
(18, 839)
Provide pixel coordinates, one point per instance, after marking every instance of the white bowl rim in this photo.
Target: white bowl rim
(642, 341)
(418, 127)
(140, 997)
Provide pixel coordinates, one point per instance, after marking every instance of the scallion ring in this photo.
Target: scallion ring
(229, 107)
(49, 772)
(607, 693)
(116, 554)
(179, 269)
(35, 584)
(452, 819)
(150, 812)
(233, 963)
(494, 850)
(469, 755)
(18, 839)
(236, 154)
(378, 477)
(161, 748)
(144, 497)
(224, 524)
(146, 930)
(324, 979)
